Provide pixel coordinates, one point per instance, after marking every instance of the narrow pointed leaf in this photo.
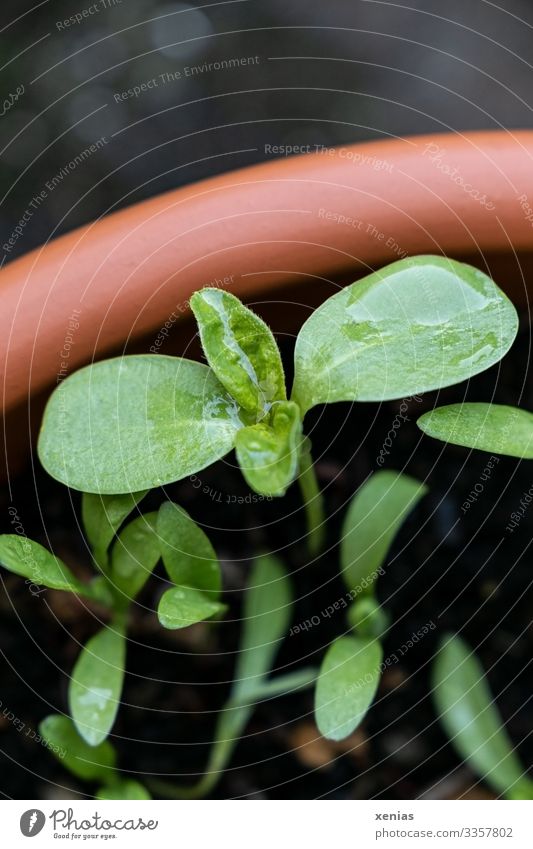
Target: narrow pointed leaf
(96, 684)
(347, 683)
(268, 454)
(134, 423)
(135, 555)
(240, 349)
(181, 607)
(123, 789)
(374, 517)
(188, 555)
(488, 427)
(266, 617)
(472, 721)
(420, 324)
(31, 560)
(90, 763)
(102, 516)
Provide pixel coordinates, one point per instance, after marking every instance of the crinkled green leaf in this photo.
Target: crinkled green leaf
(90, 763)
(420, 324)
(96, 684)
(102, 516)
(31, 560)
(268, 454)
(373, 519)
(135, 554)
(346, 686)
(136, 422)
(467, 710)
(124, 788)
(188, 555)
(488, 427)
(240, 349)
(180, 607)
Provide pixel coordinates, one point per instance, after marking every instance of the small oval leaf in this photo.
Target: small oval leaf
(495, 428)
(135, 555)
(31, 560)
(346, 686)
(136, 422)
(96, 684)
(467, 710)
(240, 349)
(420, 324)
(90, 763)
(188, 555)
(180, 607)
(374, 517)
(268, 454)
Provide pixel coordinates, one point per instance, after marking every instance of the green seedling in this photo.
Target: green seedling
(466, 708)
(138, 422)
(496, 428)
(352, 667)
(91, 764)
(265, 620)
(125, 558)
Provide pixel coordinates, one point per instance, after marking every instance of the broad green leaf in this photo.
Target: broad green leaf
(420, 324)
(268, 453)
(188, 555)
(467, 710)
(347, 683)
(135, 555)
(266, 617)
(123, 789)
(374, 517)
(34, 562)
(136, 422)
(489, 427)
(240, 349)
(180, 607)
(102, 516)
(90, 763)
(96, 684)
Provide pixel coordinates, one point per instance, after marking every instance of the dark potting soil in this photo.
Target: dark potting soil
(455, 566)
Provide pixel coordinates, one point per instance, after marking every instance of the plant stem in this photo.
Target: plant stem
(313, 501)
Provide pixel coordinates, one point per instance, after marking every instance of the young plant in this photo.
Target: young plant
(472, 722)
(265, 619)
(138, 422)
(91, 764)
(488, 427)
(351, 669)
(125, 559)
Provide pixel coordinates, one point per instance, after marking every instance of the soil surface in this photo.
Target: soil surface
(452, 568)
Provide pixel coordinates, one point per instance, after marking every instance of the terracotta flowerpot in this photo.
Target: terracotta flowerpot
(307, 222)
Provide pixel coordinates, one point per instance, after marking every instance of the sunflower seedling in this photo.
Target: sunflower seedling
(138, 422)
(352, 667)
(266, 616)
(125, 558)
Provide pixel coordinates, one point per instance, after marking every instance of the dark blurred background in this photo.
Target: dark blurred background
(303, 73)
